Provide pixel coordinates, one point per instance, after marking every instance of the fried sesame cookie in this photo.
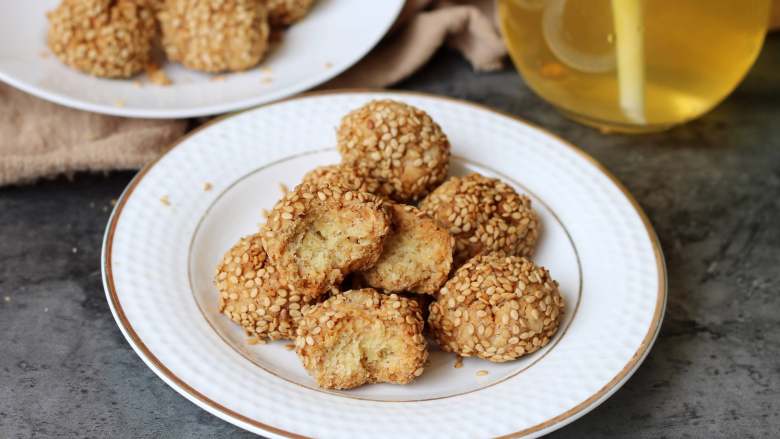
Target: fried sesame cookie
(397, 144)
(483, 214)
(317, 235)
(105, 38)
(362, 337)
(496, 307)
(215, 35)
(417, 254)
(343, 176)
(252, 295)
(286, 12)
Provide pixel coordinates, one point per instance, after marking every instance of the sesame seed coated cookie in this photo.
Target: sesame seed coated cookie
(286, 12)
(483, 214)
(342, 176)
(215, 35)
(105, 38)
(496, 307)
(361, 337)
(417, 254)
(317, 235)
(252, 295)
(397, 144)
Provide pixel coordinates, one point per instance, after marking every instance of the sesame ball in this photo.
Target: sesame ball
(416, 257)
(111, 39)
(215, 35)
(315, 235)
(286, 12)
(496, 307)
(483, 214)
(397, 144)
(361, 337)
(252, 294)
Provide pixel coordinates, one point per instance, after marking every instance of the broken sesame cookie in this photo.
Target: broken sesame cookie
(397, 144)
(317, 235)
(361, 337)
(215, 35)
(111, 39)
(483, 214)
(417, 254)
(283, 13)
(496, 307)
(252, 295)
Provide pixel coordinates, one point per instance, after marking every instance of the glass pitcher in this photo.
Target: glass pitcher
(633, 65)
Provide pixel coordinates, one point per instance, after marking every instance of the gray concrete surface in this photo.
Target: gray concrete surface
(711, 188)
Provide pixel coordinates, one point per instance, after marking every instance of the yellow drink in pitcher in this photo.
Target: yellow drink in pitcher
(633, 65)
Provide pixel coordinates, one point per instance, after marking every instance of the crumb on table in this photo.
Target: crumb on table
(207, 186)
(481, 373)
(165, 201)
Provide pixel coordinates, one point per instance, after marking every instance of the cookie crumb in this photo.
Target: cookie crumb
(157, 75)
(165, 201)
(283, 187)
(266, 80)
(266, 70)
(218, 78)
(119, 103)
(458, 362)
(481, 373)
(289, 346)
(328, 65)
(207, 186)
(137, 84)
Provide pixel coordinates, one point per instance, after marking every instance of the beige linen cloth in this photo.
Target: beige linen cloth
(41, 139)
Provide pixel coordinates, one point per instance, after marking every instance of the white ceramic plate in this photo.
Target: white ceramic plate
(334, 36)
(158, 261)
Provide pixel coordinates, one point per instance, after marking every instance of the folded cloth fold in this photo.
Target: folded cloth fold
(41, 139)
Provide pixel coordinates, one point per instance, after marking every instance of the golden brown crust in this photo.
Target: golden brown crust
(361, 337)
(397, 144)
(283, 13)
(496, 307)
(483, 214)
(315, 235)
(215, 35)
(105, 38)
(252, 295)
(417, 254)
(343, 176)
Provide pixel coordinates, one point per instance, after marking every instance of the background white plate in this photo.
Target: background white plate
(333, 37)
(158, 261)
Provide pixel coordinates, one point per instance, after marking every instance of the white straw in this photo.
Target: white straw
(629, 33)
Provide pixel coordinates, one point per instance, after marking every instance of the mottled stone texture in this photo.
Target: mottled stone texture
(712, 189)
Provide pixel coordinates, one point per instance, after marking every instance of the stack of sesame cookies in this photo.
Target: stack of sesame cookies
(115, 38)
(347, 265)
